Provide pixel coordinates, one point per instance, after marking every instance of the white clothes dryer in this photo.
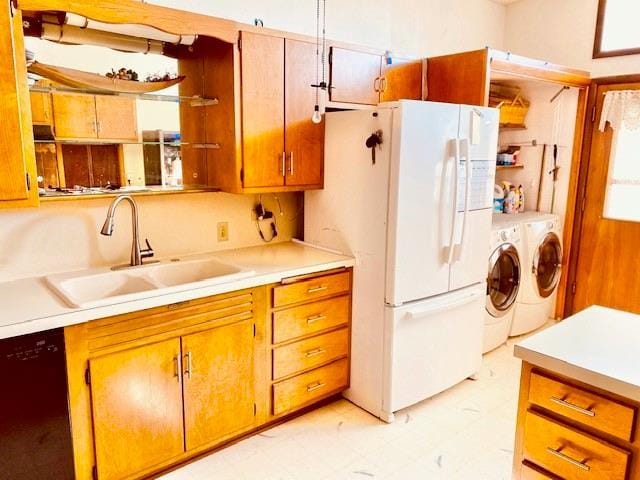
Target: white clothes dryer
(542, 266)
(503, 282)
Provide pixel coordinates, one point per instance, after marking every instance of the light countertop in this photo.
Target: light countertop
(29, 305)
(598, 346)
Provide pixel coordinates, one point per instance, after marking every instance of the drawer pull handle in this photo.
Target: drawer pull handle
(315, 318)
(575, 408)
(315, 352)
(321, 288)
(567, 458)
(314, 386)
(189, 370)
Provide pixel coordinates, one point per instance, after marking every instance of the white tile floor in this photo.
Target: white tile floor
(465, 433)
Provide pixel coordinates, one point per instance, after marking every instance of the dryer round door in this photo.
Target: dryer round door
(547, 264)
(503, 280)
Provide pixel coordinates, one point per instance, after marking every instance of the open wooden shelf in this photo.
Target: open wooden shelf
(512, 126)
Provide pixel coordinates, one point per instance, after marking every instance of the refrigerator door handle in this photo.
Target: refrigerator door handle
(451, 247)
(464, 149)
(439, 307)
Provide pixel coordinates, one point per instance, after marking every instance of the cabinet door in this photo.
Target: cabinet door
(354, 76)
(116, 118)
(136, 397)
(262, 79)
(218, 382)
(40, 108)
(74, 115)
(304, 140)
(401, 80)
(17, 154)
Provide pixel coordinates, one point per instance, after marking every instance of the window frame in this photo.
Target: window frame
(597, 44)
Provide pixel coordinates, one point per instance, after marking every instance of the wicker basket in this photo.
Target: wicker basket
(513, 108)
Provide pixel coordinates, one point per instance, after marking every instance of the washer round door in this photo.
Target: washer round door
(503, 280)
(547, 264)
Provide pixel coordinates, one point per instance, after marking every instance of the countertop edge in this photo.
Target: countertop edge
(78, 316)
(584, 375)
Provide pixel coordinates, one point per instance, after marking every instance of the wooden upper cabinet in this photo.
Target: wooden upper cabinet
(355, 76)
(262, 84)
(218, 382)
(116, 118)
(18, 186)
(466, 77)
(401, 80)
(103, 117)
(304, 140)
(74, 115)
(41, 113)
(136, 400)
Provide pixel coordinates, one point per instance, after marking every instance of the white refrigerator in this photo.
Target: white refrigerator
(417, 218)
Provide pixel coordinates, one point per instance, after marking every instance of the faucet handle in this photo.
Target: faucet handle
(146, 252)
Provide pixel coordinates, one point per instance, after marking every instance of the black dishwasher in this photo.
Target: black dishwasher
(35, 430)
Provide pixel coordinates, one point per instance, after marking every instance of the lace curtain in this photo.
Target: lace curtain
(621, 109)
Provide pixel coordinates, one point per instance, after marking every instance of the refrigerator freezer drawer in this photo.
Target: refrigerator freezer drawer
(433, 344)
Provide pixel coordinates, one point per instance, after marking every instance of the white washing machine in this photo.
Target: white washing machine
(542, 266)
(503, 281)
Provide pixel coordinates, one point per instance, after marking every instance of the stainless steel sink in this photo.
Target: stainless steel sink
(100, 287)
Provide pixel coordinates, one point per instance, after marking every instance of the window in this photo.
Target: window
(621, 111)
(617, 31)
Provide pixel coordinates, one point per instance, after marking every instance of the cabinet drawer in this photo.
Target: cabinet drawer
(311, 289)
(307, 319)
(308, 387)
(532, 473)
(571, 454)
(310, 353)
(583, 406)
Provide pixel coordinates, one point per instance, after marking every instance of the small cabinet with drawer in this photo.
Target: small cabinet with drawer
(571, 430)
(310, 325)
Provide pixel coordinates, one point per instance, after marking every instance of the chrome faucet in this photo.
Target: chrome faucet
(137, 255)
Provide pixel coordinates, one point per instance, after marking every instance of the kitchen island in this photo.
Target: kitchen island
(579, 398)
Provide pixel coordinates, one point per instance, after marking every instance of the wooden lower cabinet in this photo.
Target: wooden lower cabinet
(571, 430)
(136, 397)
(218, 382)
(154, 388)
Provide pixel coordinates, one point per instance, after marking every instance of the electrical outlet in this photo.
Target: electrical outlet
(223, 231)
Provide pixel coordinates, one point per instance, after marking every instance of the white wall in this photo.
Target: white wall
(561, 32)
(411, 27)
(64, 235)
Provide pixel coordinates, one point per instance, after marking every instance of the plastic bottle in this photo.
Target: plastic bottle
(521, 198)
(498, 199)
(510, 201)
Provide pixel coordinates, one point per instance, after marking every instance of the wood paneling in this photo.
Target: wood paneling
(304, 389)
(77, 170)
(116, 118)
(105, 165)
(263, 110)
(600, 459)
(310, 353)
(137, 408)
(17, 155)
(354, 76)
(607, 246)
(310, 319)
(47, 162)
(312, 289)
(304, 140)
(606, 415)
(74, 115)
(218, 382)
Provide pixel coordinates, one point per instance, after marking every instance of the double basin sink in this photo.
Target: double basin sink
(100, 287)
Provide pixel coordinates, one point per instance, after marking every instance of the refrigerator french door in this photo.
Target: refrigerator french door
(414, 213)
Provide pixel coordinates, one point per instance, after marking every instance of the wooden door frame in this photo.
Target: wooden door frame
(580, 191)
